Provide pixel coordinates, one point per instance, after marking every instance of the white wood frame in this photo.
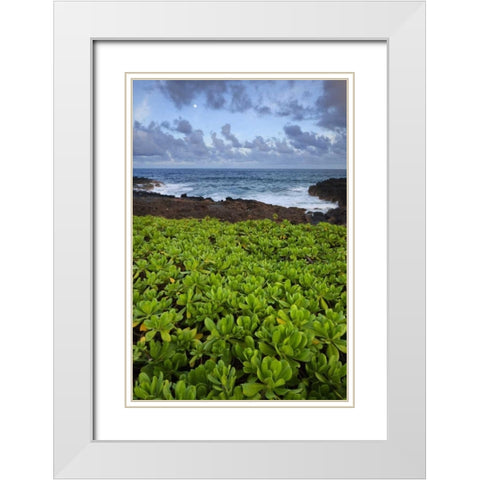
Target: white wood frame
(77, 25)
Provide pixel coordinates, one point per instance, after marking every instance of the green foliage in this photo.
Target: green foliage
(252, 310)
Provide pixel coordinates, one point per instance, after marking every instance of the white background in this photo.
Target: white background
(367, 421)
(26, 240)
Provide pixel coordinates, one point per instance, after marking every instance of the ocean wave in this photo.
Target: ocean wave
(282, 188)
(293, 197)
(297, 198)
(175, 189)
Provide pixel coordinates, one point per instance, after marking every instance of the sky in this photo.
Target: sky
(239, 123)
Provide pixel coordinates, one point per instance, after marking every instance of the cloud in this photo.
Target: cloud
(179, 125)
(307, 140)
(218, 94)
(142, 111)
(332, 105)
(240, 100)
(263, 110)
(184, 92)
(283, 147)
(339, 145)
(215, 98)
(227, 133)
(294, 110)
(218, 143)
(153, 141)
(258, 144)
(158, 144)
(180, 92)
(329, 109)
(320, 101)
(183, 126)
(195, 143)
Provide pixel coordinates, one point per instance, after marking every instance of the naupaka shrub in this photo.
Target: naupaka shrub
(254, 310)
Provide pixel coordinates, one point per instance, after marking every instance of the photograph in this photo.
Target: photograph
(239, 239)
(239, 244)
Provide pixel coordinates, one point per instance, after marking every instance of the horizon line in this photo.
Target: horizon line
(245, 168)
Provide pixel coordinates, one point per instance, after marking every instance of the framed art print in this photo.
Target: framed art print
(233, 230)
(243, 303)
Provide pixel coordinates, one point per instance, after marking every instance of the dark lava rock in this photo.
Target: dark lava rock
(331, 190)
(317, 217)
(231, 210)
(145, 184)
(144, 194)
(336, 216)
(184, 195)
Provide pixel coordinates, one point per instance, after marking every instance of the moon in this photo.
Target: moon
(194, 105)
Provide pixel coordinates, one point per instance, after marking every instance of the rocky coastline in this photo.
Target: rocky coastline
(331, 190)
(230, 209)
(146, 184)
(146, 202)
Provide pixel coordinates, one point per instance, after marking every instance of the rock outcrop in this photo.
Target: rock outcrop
(331, 190)
(145, 184)
(336, 216)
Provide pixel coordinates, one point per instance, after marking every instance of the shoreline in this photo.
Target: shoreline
(230, 210)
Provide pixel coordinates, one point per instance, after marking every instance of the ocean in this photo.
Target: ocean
(284, 187)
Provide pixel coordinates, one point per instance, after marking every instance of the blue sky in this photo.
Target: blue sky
(239, 123)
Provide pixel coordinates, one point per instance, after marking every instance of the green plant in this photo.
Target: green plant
(252, 310)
